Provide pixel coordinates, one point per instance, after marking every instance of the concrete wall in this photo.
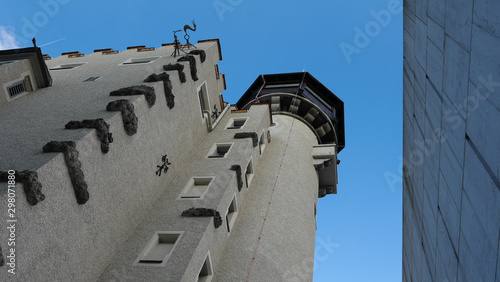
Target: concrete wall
(451, 219)
(58, 238)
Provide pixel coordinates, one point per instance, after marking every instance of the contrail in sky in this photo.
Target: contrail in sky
(52, 42)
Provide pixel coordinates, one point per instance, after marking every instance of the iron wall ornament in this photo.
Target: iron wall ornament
(164, 166)
(215, 113)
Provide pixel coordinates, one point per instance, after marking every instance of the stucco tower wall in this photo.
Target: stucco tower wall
(279, 209)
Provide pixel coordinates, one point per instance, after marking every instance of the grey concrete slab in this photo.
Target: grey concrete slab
(458, 21)
(435, 32)
(449, 211)
(420, 42)
(453, 130)
(483, 195)
(487, 16)
(455, 74)
(435, 62)
(484, 68)
(474, 243)
(447, 259)
(437, 10)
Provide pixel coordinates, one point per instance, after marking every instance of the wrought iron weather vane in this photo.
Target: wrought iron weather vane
(177, 45)
(186, 35)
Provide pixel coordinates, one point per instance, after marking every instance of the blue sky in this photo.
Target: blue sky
(353, 47)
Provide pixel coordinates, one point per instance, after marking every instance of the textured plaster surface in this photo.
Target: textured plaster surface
(200, 235)
(13, 72)
(66, 241)
(285, 250)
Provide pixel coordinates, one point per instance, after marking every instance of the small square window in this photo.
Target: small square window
(232, 213)
(206, 271)
(67, 66)
(249, 173)
(92, 78)
(236, 123)
(196, 188)
(159, 249)
(138, 61)
(219, 150)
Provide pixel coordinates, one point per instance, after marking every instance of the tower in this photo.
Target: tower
(130, 165)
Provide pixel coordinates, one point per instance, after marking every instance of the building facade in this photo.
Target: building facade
(131, 166)
(451, 196)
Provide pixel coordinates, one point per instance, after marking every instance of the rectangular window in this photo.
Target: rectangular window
(319, 98)
(67, 66)
(203, 99)
(249, 173)
(219, 150)
(232, 213)
(159, 248)
(236, 123)
(138, 61)
(282, 85)
(206, 271)
(196, 188)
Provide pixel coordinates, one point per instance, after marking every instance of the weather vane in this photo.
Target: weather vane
(186, 35)
(177, 45)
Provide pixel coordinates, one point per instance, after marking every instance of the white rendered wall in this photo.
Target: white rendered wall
(200, 234)
(276, 223)
(59, 239)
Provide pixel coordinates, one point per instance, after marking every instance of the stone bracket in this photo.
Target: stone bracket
(202, 54)
(237, 169)
(253, 135)
(128, 116)
(32, 187)
(147, 91)
(99, 125)
(179, 68)
(68, 148)
(192, 65)
(167, 86)
(202, 212)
